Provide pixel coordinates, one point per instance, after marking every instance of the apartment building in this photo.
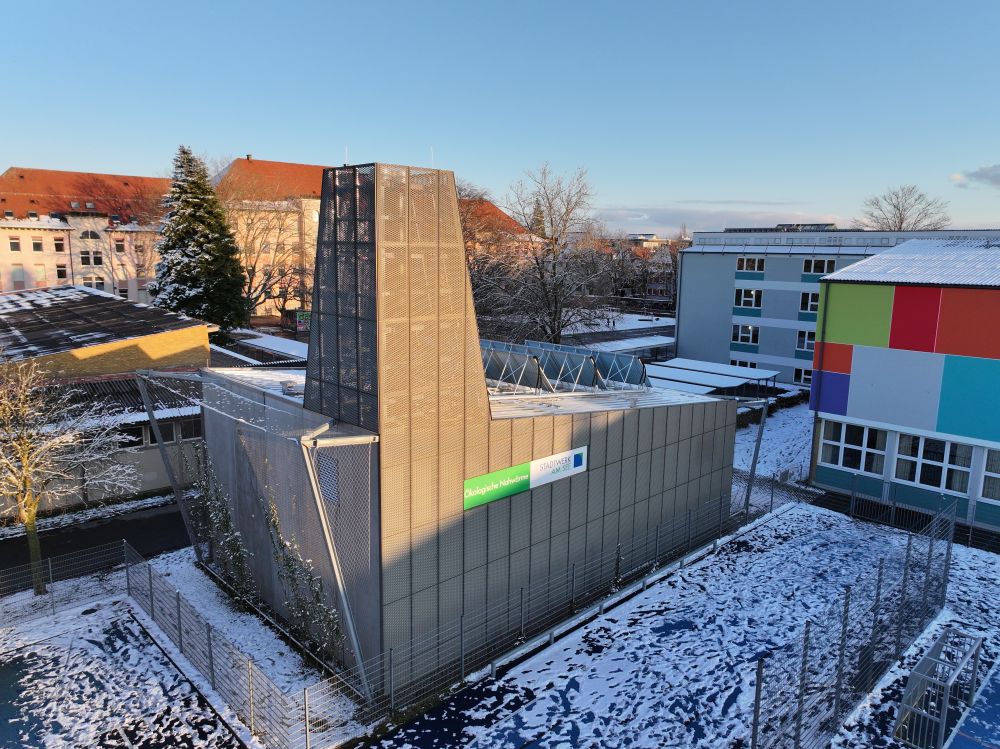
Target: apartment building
(751, 296)
(82, 228)
(907, 365)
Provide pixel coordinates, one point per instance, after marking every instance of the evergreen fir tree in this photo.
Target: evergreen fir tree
(537, 220)
(199, 271)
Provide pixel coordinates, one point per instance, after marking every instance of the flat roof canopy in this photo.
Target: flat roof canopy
(747, 374)
(686, 387)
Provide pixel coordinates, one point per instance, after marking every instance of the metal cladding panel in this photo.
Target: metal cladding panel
(543, 437)
(969, 403)
(911, 400)
(597, 454)
(578, 496)
(475, 540)
(645, 430)
(656, 459)
(577, 544)
(558, 554)
(673, 418)
(450, 550)
(581, 431)
(541, 513)
(615, 439)
(670, 466)
(684, 430)
(694, 456)
(960, 328)
(628, 480)
(595, 493)
(396, 572)
(915, 311)
(642, 471)
(560, 504)
(521, 441)
(612, 488)
(630, 433)
(660, 416)
(498, 531)
(562, 434)
(520, 521)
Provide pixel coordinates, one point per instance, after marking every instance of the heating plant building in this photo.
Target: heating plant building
(430, 476)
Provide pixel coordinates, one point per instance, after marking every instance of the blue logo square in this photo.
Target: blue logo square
(577, 460)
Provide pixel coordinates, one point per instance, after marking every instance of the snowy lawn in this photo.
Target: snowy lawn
(92, 677)
(673, 666)
(786, 443)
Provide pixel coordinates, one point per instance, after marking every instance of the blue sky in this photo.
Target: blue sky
(712, 113)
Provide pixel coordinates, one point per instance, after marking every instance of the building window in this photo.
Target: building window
(40, 275)
(741, 363)
(815, 265)
(8, 214)
(119, 245)
(132, 436)
(190, 429)
(803, 376)
(935, 463)
(61, 272)
(74, 204)
(748, 298)
(97, 258)
(17, 276)
(745, 334)
(123, 292)
(89, 234)
(809, 301)
(59, 244)
(15, 244)
(90, 206)
(991, 478)
(166, 430)
(36, 244)
(854, 447)
(751, 264)
(94, 282)
(806, 340)
(140, 248)
(84, 257)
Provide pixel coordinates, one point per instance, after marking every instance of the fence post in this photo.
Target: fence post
(688, 547)
(128, 568)
(657, 558)
(180, 633)
(392, 686)
(773, 479)
(305, 715)
(842, 654)
(149, 573)
(902, 597)
(878, 599)
(722, 510)
(52, 589)
(572, 588)
(803, 674)
(757, 694)
(618, 564)
(250, 685)
(946, 574)
(211, 655)
(854, 494)
(927, 576)
(461, 643)
(522, 612)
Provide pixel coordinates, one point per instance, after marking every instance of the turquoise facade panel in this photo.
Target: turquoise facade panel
(838, 478)
(749, 311)
(750, 348)
(970, 398)
(749, 275)
(988, 513)
(922, 499)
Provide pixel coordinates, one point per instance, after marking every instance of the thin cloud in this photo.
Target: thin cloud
(740, 201)
(666, 220)
(984, 175)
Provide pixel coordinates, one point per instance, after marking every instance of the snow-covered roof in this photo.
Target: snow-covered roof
(971, 262)
(782, 249)
(747, 373)
(42, 222)
(38, 322)
(632, 344)
(554, 404)
(275, 344)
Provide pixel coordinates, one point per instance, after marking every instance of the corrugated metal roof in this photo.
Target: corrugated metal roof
(933, 262)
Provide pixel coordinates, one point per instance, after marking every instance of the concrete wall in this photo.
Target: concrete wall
(704, 306)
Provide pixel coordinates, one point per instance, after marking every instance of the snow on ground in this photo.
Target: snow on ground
(91, 513)
(627, 321)
(243, 629)
(786, 444)
(92, 677)
(673, 666)
(973, 590)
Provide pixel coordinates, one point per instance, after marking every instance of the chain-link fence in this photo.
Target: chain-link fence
(804, 691)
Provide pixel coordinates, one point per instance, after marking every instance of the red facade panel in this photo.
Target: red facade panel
(833, 357)
(915, 312)
(968, 323)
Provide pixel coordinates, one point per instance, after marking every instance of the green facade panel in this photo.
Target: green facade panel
(859, 314)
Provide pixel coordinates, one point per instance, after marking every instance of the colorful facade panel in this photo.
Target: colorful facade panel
(862, 313)
(970, 398)
(833, 357)
(894, 386)
(829, 392)
(967, 325)
(915, 318)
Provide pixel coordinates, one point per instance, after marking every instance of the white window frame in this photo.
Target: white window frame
(803, 339)
(809, 301)
(990, 475)
(754, 296)
(839, 441)
(37, 244)
(919, 461)
(752, 264)
(803, 376)
(59, 244)
(746, 334)
(14, 244)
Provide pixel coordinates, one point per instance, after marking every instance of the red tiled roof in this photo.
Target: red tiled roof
(52, 191)
(272, 180)
(488, 213)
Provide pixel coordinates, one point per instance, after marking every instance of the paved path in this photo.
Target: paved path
(149, 531)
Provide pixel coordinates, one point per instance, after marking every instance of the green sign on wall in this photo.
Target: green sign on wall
(506, 482)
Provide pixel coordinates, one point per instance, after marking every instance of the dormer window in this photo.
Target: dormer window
(32, 214)
(74, 204)
(90, 206)
(8, 214)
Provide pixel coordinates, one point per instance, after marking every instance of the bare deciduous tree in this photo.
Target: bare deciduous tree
(552, 281)
(54, 443)
(905, 208)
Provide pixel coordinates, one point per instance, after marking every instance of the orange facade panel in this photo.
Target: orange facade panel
(833, 357)
(967, 324)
